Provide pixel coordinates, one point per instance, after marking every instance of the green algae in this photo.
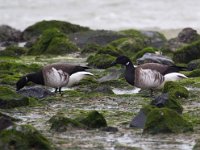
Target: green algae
(24, 137)
(52, 42)
(197, 145)
(13, 51)
(187, 53)
(175, 89)
(38, 28)
(10, 99)
(84, 120)
(164, 120)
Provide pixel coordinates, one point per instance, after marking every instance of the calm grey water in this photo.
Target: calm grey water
(103, 14)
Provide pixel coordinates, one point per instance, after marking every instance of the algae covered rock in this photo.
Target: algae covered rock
(103, 57)
(53, 42)
(60, 123)
(164, 120)
(10, 99)
(168, 101)
(13, 51)
(145, 50)
(194, 64)
(95, 37)
(88, 120)
(93, 119)
(6, 121)
(197, 145)
(38, 28)
(175, 89)
(8, 33)
(187, 53)
(24, 137)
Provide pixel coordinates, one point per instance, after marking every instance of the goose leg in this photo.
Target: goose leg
(151, 92)
(56, 89)
(60, 90)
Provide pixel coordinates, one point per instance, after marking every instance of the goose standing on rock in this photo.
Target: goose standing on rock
(147, 78)
(55, 75)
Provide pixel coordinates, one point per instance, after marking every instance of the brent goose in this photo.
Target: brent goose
(55, 75)
(145, 78)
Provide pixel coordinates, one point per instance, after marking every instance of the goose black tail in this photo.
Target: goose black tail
(176, 69)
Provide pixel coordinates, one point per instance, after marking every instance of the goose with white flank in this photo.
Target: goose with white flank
(148, 77)
(56, 76)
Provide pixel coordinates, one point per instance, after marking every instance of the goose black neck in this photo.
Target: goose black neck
(130, 73)
(36, 77)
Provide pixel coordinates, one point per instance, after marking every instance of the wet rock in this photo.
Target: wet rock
(20, 137)
(185, 37)
(155, 39)
(188, 35)
(125, 147)
(194, 73)
(155, 58)
(110, 129)
(99, 37)
(13, 51)
(164, 120)
(34, 31)
(175, 90)
(169, 101)
(92, 120)
(197, 145)
(139, 120)
(187, 53)
(6, 121)
(113, 74)
(8, 33)
(194, 64)
(144, 51)
(59, 123)
(103, 89)
(36, 92)
(53, 42)
(10, 99)
(89, 120)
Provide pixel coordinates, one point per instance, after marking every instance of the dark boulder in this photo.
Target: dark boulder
(36, 92)
(155, 58)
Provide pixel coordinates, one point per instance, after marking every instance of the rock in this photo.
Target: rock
(169, 101)
(197, 145)
(103, 89)
(194, 64)
(13, 51)
(98, 37)
(10, 99)
(155, 58)
(89, 120)
(194, 73)
(53, 42)
(165, 120)
(21, 137)
(185, 37)
(188, 35)
(155, 39)
(6, 121)
(113, 74)
(92, 120)
(145, 50)
(59, 123)
(36, 92)
(139, 120)
(110, 129)
(34, 31)
(175, 90)
(8, 33)
(187, 53)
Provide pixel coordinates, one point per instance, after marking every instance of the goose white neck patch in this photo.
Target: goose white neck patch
(127, 63)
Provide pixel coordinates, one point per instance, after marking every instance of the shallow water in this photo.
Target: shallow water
(113, 14)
